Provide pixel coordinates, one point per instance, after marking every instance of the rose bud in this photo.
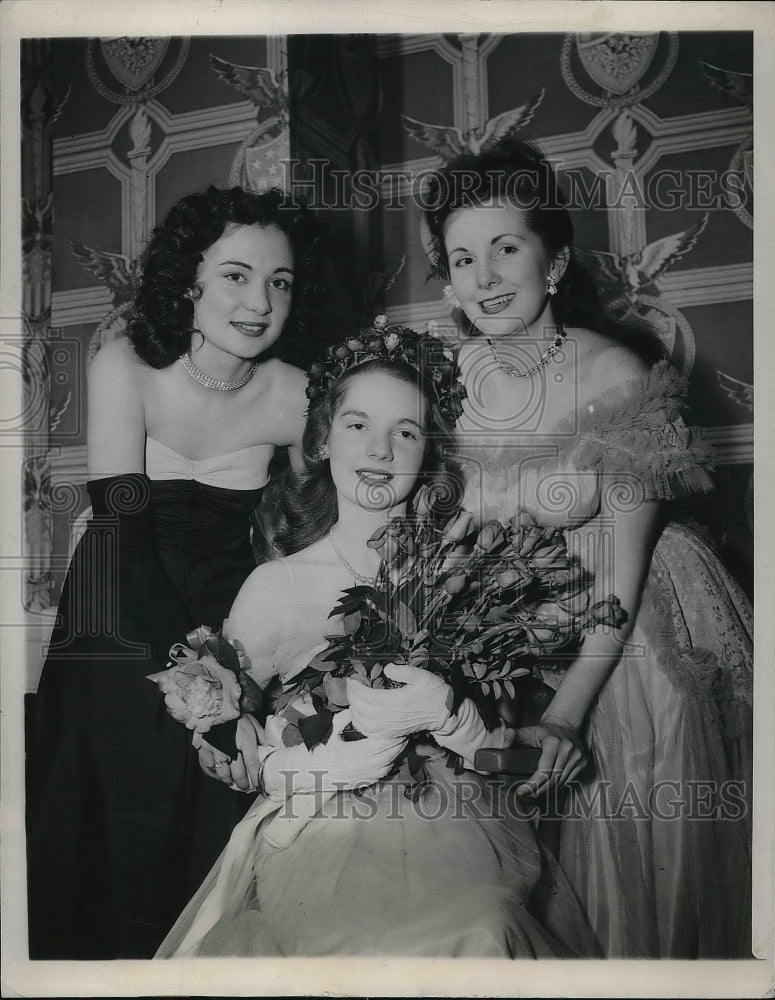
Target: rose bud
(526, 540)
(553, 555)
(423, 500)
(508, 577)
(355, 344)
(375, 542)
(455, 582)
(392, 341)
(458, 526)
(380, 322)
(342, 351)
(491, 536)
(375, 344)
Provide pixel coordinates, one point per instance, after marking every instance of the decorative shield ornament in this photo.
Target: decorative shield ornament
(133, 61)
(616, 61)
(264, 163)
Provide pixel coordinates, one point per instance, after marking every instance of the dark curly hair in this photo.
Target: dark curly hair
(514, 169)
(309, 506)
(160, 327)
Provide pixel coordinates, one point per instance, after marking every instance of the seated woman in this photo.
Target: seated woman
(184, 417)
(335, 873)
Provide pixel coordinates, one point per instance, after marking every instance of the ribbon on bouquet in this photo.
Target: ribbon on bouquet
(207, 686)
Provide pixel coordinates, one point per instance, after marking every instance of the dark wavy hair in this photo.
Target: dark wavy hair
(161, 325)
(515, 170)
(309, 506)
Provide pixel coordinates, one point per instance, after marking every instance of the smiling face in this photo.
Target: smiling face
(377, 441)
(245, 280)
(499, 269)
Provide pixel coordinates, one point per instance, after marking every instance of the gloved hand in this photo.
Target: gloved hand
(424, 702)
(465, 733)
(331, 766)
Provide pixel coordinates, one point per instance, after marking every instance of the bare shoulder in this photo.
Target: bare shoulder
(284, 378)
(286, 401)
(116, 360)
(604, 363)
(269, 581)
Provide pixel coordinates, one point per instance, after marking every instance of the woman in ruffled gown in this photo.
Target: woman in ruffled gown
(314, 869)
(184, 417)
(577, 421)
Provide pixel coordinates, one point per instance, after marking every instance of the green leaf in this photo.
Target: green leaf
(352, 622)
(405, 620)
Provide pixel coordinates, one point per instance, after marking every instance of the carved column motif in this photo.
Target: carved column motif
(472, 70)
(38, 110)
(140, 133)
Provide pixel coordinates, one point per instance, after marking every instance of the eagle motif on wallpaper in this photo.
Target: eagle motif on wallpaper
(263, 87)
(447, 141)
(739, 392)
(119, 273)
(623, 276)
(736, 85)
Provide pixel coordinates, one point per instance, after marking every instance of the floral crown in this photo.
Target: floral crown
(425, 352)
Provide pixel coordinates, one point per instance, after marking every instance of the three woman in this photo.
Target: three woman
(566, 418)
(575, 420)
(184, 417)
(315, 869)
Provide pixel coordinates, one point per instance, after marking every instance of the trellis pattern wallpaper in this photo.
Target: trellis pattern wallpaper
(651, 133)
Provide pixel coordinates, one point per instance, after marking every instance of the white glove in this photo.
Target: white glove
(423, 703)
(465, 733)
(331, 766)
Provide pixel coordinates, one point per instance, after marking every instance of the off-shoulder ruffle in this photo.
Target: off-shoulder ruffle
(637, 429)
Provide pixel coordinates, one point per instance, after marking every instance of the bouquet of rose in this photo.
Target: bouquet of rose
(481, 616)
(480, 622)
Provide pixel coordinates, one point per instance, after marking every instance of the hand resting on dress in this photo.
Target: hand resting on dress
(563, 755)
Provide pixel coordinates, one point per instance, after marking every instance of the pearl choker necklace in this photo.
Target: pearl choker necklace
(545, 358)
(359, 577)
(222, 385)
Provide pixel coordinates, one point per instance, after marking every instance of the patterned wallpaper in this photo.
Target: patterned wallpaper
(116, 130)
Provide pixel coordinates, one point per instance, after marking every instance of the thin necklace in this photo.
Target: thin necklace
(545, 358)
(353, 573)
(222, 385)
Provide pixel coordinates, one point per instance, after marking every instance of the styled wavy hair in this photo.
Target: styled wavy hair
(309, 508)
(515, 170)
(161, 325)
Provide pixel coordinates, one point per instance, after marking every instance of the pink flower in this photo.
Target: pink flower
(198, 692)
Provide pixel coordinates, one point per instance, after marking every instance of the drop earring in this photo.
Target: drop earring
(551, 285)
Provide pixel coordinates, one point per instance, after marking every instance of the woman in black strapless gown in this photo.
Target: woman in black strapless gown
(183, 422)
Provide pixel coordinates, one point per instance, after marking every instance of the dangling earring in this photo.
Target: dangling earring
(449, 295)
(321, 453)
(551, 285)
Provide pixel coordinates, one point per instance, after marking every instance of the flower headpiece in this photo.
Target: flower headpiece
(425, 352)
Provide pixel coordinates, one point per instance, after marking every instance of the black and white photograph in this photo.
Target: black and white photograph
(380, 528)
